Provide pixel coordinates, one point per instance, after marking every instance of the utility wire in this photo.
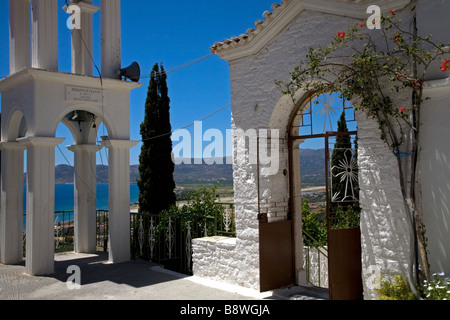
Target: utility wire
(189, 125)
(177, 68)
(170, 70)
(76, 173)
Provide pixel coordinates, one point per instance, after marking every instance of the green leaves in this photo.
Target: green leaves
(156, 167)
(395, 289)
(370, 68)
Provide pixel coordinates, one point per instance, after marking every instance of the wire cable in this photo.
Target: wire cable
(79, 177)
(189, 125)
(177, 68)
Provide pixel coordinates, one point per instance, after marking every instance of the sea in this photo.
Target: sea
(64, 198)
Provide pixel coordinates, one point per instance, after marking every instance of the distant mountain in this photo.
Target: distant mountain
(312, 163)
(184, 173)
(312, 167)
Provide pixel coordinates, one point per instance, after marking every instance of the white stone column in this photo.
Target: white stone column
(40, 204)
(300, 273)
(82, 39)
(85, 197)
(111, 38)
(11, 216)
(119, 199)
(19, 35)
(45, 34)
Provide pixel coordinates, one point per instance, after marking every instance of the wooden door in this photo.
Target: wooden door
(276, 255)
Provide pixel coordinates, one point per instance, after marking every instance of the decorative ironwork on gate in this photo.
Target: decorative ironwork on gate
(326, 107)
(346, 172)
(167, 239)
(315, 120)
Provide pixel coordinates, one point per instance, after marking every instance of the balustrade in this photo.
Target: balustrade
(163, 239)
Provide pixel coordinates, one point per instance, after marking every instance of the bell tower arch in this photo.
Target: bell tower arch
(44, 96)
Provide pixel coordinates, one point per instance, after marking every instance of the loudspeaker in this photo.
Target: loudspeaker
(133, 72)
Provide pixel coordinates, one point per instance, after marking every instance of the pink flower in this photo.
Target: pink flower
(342, 35)
(396, 37)
(402, 109)
(445, 65)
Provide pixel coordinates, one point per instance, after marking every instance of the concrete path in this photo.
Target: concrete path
(100, 280)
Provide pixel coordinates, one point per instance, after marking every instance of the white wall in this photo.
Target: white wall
(434, 176)
(385, 231)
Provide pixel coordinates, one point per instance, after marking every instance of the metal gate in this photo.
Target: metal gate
(344, 236)
(342, 223)
(344, 241)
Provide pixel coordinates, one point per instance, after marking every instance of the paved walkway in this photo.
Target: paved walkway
(133, 280)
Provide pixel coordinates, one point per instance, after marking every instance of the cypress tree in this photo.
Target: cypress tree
(341, 159)
(341, 155)
(156, 184)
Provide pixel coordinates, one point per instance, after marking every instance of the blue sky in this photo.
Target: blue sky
(174, 33)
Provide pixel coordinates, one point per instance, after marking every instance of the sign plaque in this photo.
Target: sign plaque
(84, 95)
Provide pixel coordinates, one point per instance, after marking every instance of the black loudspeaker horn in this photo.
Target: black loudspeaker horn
(133, 72)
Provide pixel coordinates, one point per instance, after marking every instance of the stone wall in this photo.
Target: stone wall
(254, 97)
(385, 230)
(258, 104)
(434, 174)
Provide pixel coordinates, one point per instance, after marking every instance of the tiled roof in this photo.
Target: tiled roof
(252, 32)
(282, 14)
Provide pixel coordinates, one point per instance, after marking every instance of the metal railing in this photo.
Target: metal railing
(64, 230)
(102, 223)
(163, 239)
(315, 259)
(167, 239)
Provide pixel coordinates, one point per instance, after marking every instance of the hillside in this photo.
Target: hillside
(311, 167)
(184, 174)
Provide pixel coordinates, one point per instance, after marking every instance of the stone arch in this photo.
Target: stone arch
(276, 198)
(16, 125)
(286, 113)
(285, 109)
(101, 118)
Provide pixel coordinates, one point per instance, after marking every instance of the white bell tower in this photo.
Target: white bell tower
(36, 97)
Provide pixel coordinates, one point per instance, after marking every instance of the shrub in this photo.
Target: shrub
(398, 289)
(437, 289)
(314, 230)
(395, 289)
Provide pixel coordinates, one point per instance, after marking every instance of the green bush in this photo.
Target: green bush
(398, 289)
(314, 230)
(437, 289)
(395, 289)
(343, 218)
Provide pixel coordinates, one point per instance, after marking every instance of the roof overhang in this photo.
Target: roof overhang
(283, 14)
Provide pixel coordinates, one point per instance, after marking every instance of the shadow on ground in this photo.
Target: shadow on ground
(96, 269)
(101, 280)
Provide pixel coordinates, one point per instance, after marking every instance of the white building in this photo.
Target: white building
(35, 99)
(267, 251)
